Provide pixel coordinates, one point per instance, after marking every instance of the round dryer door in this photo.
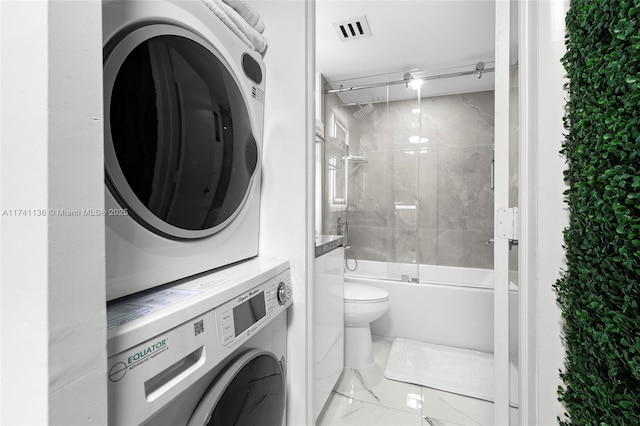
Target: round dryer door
(251, 391)
(179, 147)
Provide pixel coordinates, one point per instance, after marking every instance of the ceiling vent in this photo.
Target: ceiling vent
(353, 28)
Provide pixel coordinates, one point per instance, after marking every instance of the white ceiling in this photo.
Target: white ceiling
(425, 36)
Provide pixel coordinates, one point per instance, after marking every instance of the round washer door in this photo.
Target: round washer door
(250, 391)
(180, 151)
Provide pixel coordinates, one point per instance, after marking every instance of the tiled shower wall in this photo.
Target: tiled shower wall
(432, 202)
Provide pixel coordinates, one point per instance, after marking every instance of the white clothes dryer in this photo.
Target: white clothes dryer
(183, 105)
(208, 351)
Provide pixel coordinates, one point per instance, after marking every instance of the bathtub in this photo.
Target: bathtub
(449, 306)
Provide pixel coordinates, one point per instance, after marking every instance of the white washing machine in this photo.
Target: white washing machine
(208, 351)
(183, 106)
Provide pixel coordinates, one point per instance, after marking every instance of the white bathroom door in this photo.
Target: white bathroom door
(503, 216)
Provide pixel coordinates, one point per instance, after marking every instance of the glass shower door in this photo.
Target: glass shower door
(414, 163)
(455, 189)
(374, 168)
(409, 147)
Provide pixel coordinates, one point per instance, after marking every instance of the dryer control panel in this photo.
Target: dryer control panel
(242, 316)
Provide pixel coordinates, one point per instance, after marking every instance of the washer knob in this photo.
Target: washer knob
(284, 293)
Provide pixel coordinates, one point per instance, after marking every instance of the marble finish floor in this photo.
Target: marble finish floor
(365, 397)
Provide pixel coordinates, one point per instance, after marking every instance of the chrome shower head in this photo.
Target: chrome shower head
(364, 110)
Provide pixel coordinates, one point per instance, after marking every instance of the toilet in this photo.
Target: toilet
(362, 305)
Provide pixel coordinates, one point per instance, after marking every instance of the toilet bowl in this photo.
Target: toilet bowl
(362, 305)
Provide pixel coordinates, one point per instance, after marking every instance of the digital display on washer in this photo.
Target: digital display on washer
(248, 313)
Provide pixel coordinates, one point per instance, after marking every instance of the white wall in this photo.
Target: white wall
(23, 164)
(542, 77)
(287, 203)
(552, 212)
(53, 331)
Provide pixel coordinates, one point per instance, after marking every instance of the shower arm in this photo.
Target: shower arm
(478, 72)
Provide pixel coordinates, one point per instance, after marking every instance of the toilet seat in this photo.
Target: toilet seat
(362, 293)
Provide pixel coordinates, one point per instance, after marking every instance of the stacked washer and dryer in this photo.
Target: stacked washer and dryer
(197, 322)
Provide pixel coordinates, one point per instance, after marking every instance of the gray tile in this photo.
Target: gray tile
(371, 243)
(428, 246)
(451, 202)
(479, 212)
(450, 249)
(428, 190)
(406, 243)
(405, 168)
(378, 218)
(447, 179)
(477, 253)
(375, 183)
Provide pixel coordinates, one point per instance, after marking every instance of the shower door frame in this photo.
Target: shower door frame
(501, 202)
(541, 253)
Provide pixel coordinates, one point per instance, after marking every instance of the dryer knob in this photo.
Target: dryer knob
(284, 293)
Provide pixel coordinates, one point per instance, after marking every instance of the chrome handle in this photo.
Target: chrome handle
(511, 242)
(493, 174)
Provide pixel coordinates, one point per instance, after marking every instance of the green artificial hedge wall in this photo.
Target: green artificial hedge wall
(599, 293)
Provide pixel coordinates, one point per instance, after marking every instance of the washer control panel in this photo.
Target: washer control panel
(239, 318)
